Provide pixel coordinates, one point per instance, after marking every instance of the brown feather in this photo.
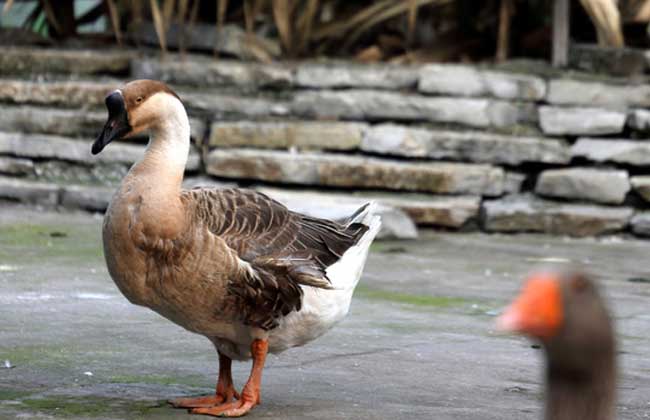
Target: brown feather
(284, 250)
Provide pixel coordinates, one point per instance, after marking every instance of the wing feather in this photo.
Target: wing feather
(279, 250)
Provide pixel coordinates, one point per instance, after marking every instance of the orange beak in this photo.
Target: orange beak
(537, 311)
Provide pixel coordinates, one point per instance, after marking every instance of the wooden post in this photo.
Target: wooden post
(503, 38)
(561, 18)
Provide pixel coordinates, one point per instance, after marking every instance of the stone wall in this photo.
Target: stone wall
(452, 146)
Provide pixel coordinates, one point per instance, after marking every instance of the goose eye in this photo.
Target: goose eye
(138, 99)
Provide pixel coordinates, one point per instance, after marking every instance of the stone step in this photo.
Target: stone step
(199, 70)
(641, 185)
(639, 119)
(44, 146)
(68, 94)
(355, 171)
(87, 94)
(350, 75)
(219, 105)
(65, 122)
(459, 80)
(640, 224)
(589, 93)
(29, 192)
(390, 139)
(16, 166)
(527, 213)
(360, 104)
(22, 60)
(423, 209)
(86, 197)
(623, 151)
(395, 223)
(331, 135)
(606, 186)
(471, 146)
(577, 121)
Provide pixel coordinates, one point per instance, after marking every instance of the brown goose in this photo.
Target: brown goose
(565, 312)
(232, 265)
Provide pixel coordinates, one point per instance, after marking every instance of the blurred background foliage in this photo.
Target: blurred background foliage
(401, 31)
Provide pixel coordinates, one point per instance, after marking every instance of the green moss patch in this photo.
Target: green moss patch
(192, 380)
(409, 299)
(91, 406)
(25, 242)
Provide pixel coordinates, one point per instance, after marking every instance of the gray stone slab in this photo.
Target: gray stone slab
(395, 224)
(587, 93)
(459, 80)
(639, 119)
(428, 210)
(580, 121)
(85, 197)
(355, 171)
(30, 192)
(378, 105)
(527, 213)
(45, 146)
(201, 71)
(607, 186)
(65, 122)
(423, 209)
(285, 134)
(65, 93)
(30, 60)
(640, 224)
(514, 182)
(615, 61)
(628, 152)
(221, 105)
(641, 185)
(471, 146)
(346, 75)
(16, 166)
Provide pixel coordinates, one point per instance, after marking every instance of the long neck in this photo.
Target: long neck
(168, 150)
(582, 395)
(156, 179)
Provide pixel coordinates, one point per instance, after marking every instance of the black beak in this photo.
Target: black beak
(117, 125)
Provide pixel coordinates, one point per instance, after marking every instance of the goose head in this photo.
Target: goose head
(140, 106)
(565, 312)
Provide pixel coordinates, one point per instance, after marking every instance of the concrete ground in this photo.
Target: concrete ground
(418, 343)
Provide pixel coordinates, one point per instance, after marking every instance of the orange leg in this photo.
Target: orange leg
(250, 395)
(225, 389)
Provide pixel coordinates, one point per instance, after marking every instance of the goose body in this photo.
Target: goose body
(231, 264)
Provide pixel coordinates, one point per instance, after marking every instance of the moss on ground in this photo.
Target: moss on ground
(12, 394)
(191, 380)
(424, 301)
(90, 406)
(25, 242)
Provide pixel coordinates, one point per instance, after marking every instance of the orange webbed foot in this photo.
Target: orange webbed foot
(204, 401)
(232, 409)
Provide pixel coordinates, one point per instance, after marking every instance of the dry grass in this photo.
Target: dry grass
(371, 30)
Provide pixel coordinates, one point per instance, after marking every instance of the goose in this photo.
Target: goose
(564, 311)
(230, 264)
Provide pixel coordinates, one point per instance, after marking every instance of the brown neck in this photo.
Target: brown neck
(582, 395)
(157, 179)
